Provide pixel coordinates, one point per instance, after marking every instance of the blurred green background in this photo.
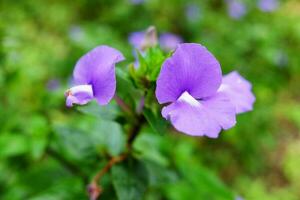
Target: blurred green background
(50, 152)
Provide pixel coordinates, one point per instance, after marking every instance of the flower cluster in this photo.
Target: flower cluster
(201, 101)
(268, 5)
(237, 8)
(143, 39)
(197, 99)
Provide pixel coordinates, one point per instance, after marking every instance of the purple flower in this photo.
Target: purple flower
(53, 84)
(136, 39)
(94, 77)
(169, 41)
(236, 9)
(76, 33)
(239, 92)
(189, 81)
(136, 2)
(143, 39)
(192, 12)
(268, 5)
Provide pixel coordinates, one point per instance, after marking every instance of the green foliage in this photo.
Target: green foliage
(48, 151)
(154, 120)
(109, 112)
(130, 180)
(145, 74)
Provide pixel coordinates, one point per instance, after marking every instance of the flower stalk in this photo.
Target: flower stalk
(94, 189)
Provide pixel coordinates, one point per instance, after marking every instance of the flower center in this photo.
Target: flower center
(80, 94)
(187, 98)
(80, 89)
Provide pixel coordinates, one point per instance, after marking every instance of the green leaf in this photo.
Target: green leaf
(13, 145)
(149, 67)
(73, 143)
(126, 89)
(156, 58)
(148, 145)
(108, 135)
(143, 66)
(130, 180)
(156, 122)
(199, 182)
(108, 112)
(38, 147)
(159, 175)
(38, 129)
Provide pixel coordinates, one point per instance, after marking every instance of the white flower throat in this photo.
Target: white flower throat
(187, 98)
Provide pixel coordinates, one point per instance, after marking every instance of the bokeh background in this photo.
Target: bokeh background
(50, 152)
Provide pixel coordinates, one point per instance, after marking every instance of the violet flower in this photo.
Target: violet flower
(136, 2)
(141, 41)
(94, 77)
(192, 12)
(169, 41)
(268, 5)
(76, 33)
(53, 84)
(236, 9)
(136, 39)
(199, 103)
(144, 39)
(238, 91)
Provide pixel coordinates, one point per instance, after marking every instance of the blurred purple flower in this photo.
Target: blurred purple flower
(268, 5)
(281, 58)
(53, 84)
(169, 41)
(136, 39)
(239, 92)
(136, 2)
(192, 12)
(76, 33)
(143, 39)
(94, 77)
(189, 81)
(239, 198)
(236, 9)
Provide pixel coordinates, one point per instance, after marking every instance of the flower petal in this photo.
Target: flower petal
(97, 68)
(201, 118)
(80, 94)
(136, 39)
(268, 5)
(239, 91)
(169, 41)
(236, 9)
(191, 68)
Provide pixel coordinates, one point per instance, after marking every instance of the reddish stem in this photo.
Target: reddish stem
(94, 189)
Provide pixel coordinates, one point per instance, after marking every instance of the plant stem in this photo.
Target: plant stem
(134, 131)
(94, 189)
(122, 104)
